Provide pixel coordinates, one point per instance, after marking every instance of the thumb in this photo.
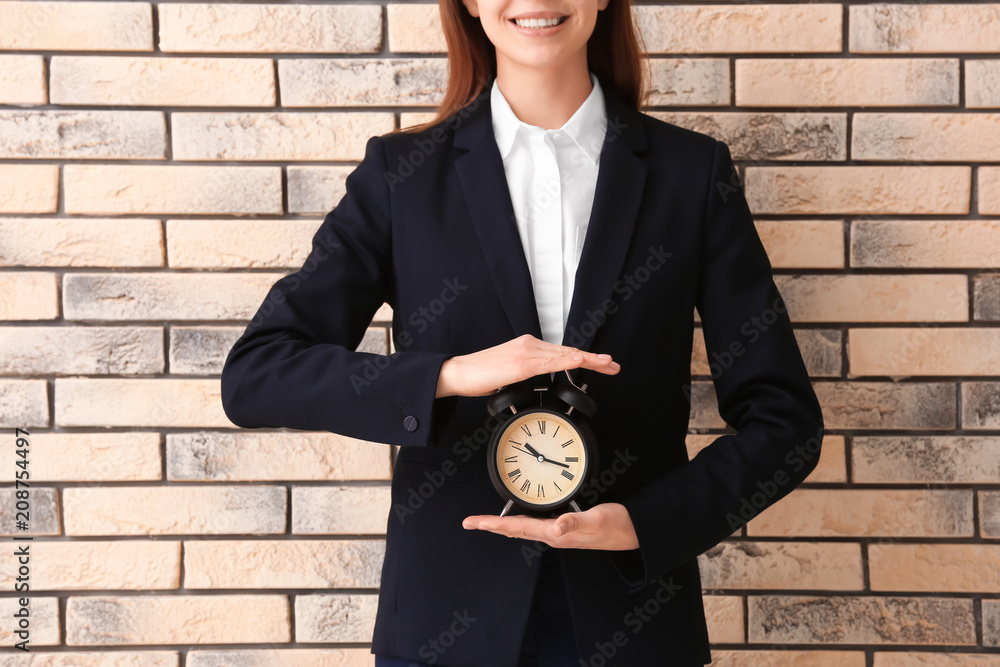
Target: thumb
(567, 523)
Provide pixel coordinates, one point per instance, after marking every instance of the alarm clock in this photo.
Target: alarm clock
(543, 450)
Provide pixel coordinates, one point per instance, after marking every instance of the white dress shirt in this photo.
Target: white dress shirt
(552, 176)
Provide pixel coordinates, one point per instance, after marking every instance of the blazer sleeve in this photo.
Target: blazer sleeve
(296, 365)
(765, 395)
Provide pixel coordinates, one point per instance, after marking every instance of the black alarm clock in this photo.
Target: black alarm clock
(540, 456)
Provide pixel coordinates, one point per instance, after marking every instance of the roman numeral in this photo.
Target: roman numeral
(512, 459)
(556, 431)
(572, 459)
(567, 474)
(557, 487)
(514, 474)
(527, 430)
(567, 443)
(541, 490)
(541, 427)
(526, 487)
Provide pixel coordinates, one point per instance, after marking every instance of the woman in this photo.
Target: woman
(541, 225)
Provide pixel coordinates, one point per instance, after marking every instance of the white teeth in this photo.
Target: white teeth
(537, 23)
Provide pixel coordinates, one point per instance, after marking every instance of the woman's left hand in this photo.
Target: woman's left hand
(606, 526)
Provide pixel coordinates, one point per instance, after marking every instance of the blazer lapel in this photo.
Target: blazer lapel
(620, 180)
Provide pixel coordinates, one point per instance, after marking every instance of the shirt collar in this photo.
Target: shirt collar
(587, 126)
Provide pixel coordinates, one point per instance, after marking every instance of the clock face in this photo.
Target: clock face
(541, 457)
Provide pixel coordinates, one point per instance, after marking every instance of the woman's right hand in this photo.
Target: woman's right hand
(482, 373)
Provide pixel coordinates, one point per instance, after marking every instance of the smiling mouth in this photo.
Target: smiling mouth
(539, 23)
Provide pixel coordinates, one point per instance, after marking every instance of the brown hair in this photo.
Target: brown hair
(613, 55)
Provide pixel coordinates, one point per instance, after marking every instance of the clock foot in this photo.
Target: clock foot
(576, 508)
(506, 508)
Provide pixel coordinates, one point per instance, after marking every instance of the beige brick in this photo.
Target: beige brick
(935, 568)
(989, 190)
(138, 402)
(858, 189)
(117, 565)
(982, 84)
(875, 298)
(926, 459)
(819, 82)
(272, 28)
(92, 457)
(80, 242)
(162, 81)
(704, 407)
(127, 135)
(991, 622)
(28, 295)
(981, 405)
(80, 350)
(887, 405)
(786, 658)
(331, 510)
(29, 188)
(986, 297)
(203, 350)
(861, 620)
(946, 137)
(227, 244)
(925, 28)
(156, 296)
(22, 81)
(830, 566)
(724, 614)
(811, 244)
(334, 618)
(867, 513)
(44, 517)
(177, 619)
(275, 136)
(989, 514)
(283, 563)
(415, 29)
(44, 632)
(245, 457)
(93, 658)
(285, 657)
(903, 659)
(316, 189)
(688, 82)
(925, 351)
(723, 28)
(180, 510)
(362, 81)
(125, 189)
(925, 243)
(24, 403)
(76, 26)
(756, 135)
(831, 467)
(411, 118)
(820, 348)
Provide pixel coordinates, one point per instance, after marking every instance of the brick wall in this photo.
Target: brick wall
(161, 165)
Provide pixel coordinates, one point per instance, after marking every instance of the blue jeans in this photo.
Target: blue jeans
(548, 638)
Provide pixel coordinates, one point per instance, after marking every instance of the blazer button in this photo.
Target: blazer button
(410, 423)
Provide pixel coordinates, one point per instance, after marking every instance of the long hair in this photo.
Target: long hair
(613, 55)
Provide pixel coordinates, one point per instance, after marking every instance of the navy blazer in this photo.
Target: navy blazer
(427, 226)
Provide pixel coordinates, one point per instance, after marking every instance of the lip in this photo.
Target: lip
(538, 15)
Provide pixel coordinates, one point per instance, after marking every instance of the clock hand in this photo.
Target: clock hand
(534, 452)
